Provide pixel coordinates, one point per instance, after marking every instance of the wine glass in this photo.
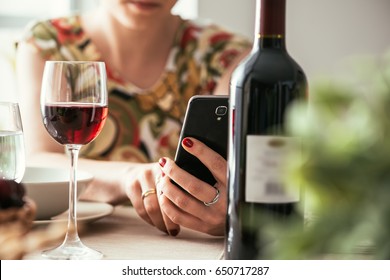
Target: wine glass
(12, 157)
(74, 110)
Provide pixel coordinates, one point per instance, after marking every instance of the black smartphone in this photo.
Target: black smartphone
(206, 119)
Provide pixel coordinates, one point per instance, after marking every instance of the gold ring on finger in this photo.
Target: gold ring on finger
(148, 192)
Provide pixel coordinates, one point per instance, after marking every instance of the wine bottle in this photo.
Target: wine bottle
(262, 88)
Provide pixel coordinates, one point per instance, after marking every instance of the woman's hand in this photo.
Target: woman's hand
(116, 182)
(143, 195)
(202, 207)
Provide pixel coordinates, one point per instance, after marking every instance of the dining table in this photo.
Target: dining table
(120, 234)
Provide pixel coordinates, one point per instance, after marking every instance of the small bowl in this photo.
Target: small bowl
(49, 189)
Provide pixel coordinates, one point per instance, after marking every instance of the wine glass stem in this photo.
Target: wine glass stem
(72, 234)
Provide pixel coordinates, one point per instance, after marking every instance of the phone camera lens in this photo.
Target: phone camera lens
(221, 110)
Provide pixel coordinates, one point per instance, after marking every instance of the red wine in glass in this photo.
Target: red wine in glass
(76, 123)
(74, 110)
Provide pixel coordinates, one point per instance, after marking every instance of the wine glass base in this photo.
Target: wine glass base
(76, 251)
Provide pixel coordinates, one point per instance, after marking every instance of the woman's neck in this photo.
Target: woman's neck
(136, 50)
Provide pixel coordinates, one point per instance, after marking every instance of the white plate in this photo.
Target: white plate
(86, 212)
(49, 188)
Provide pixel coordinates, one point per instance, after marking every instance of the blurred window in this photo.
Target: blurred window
(17, 13)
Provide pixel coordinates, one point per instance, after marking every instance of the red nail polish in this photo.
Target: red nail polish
(162, 174)
(173, 232)
(188, 143)
(162, 162)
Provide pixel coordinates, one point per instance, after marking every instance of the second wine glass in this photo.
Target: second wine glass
(74, 110)
(12, 158)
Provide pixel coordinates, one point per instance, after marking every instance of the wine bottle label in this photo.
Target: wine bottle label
(265, 157)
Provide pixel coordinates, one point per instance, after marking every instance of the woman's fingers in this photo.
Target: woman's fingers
(211, 159)
(182, 208)
(173, 229)
(135, 194)
(199, 206)
(143, 195)
(196, 187)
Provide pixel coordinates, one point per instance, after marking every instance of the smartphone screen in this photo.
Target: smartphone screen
(206, 119)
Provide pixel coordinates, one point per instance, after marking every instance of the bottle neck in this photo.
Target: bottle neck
(271, 24)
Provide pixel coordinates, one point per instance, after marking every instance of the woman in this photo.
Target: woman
(155, 62)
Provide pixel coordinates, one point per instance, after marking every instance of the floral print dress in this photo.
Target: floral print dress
(144, 125)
